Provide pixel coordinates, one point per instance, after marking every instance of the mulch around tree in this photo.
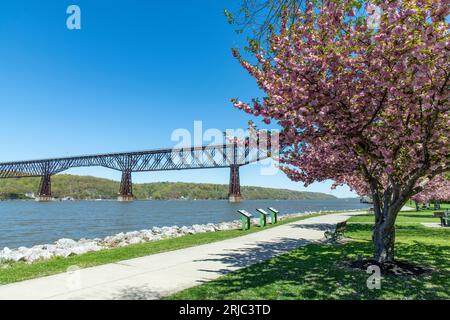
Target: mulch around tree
(396, 268)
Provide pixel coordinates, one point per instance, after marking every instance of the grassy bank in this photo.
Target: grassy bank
(21, 271)
(311, 272)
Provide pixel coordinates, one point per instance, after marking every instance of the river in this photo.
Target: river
(28, 223)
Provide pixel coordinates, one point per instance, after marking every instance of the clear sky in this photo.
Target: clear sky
(136, 71)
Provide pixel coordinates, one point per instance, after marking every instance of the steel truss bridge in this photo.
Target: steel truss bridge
(229, 155)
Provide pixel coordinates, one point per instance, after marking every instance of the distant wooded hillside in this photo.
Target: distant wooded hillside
(86, 187)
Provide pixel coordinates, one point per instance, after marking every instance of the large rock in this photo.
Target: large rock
(122, 243)
(210, 227)
(147, 235)
(157, 237)
(35, 254)
(5, 254)
(135, 240)
(66, 243)
(169, 232)
(132, 234)
(62, 252)
(6, 251)
(16, 256)
(156, 230)
(186, 230)
(85, 248)
(224, 226)
(198, 228)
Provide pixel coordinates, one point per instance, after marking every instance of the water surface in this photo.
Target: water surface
(27, 223)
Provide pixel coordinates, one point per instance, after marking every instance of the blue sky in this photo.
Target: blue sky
(135, 72)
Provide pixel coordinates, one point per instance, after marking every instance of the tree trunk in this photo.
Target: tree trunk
(386, 211)
(388, 201)
(384, 240)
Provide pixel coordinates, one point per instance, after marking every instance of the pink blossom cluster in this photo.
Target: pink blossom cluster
(437, 189)
(361, 106)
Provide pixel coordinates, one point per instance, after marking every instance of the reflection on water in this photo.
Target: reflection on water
(27, 223)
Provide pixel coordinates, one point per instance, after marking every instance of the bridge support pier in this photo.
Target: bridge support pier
(45, 189)
(126, 188)
(234, 194)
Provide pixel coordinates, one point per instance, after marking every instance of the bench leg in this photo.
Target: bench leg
(334, 235)
(330, 235)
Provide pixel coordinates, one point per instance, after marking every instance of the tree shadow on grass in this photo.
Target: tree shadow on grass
(244, 257)
(312, 272)
(139, 293)
(437, 257)
(238, 258)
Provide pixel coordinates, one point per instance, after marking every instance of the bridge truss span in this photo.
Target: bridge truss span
(228, 155)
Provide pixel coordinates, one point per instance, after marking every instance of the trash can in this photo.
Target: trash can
(274, 215)
(245, 218)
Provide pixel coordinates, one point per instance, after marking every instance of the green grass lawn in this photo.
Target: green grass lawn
(22, 271)
(311, 272)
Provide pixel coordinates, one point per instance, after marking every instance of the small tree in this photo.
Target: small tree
(362, 98)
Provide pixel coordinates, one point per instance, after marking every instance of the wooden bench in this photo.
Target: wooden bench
(441, 215)
(337, 233)
(445, 221)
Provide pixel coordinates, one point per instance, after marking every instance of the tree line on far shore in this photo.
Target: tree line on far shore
(87, 187)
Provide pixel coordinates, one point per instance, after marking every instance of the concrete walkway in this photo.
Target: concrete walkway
(162, 274)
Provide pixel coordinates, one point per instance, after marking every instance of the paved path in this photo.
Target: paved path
(161, 274)
(433, 225)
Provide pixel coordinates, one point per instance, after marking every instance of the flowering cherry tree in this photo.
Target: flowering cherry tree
(361, 101)
(437, 189)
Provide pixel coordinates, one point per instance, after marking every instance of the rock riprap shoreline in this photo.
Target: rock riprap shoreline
(68, 247)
